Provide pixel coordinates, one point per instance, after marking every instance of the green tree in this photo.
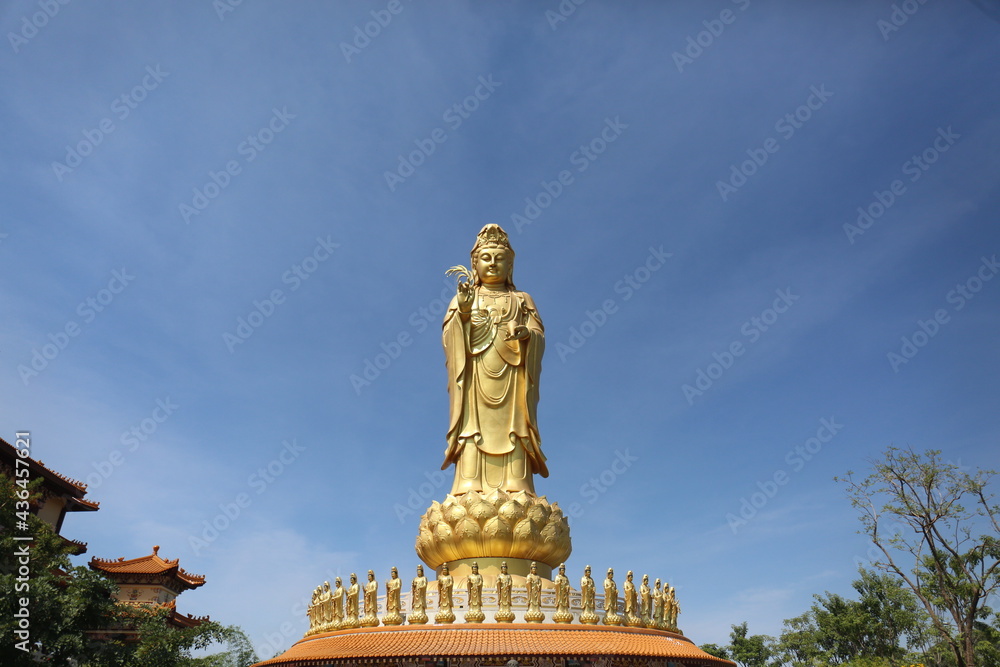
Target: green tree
(716, 650)
(63, 603)
(935, 527)
(881, 626)
(749, 651)
(68, 607)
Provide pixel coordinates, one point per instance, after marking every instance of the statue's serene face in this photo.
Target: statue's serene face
(493, 265)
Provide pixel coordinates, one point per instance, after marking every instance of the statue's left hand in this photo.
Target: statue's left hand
(517, 331)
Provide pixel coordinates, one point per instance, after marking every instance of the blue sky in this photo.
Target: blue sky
(167, 171)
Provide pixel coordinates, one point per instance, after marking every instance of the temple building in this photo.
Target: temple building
(59, 494)
(492, 543)
(151, 582)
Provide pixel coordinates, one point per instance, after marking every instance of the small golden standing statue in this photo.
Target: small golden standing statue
(587, 594)
(611, 616)
(563, 614)
(632, 618)
(504, 586)
(314, 611)
(444, 586)
(418, 598)
(670, 609)
(475, 588)
(665, 607)
(534, 584)
(337, 605)
(351, 619)
(392, 605)
(493, 343)
(645, 602)
(657, 620)
(370, 619)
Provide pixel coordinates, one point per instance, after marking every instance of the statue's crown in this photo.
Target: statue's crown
(492, 235)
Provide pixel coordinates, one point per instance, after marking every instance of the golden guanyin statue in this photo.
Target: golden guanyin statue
(588, 615)
(370, 619)
(392, 602)
(337, 604)
(351, 616)
(474, 584)
(657, 620)
(533, 583)
(504, 586)
(445, 584)
(611, 616)
(418, 598)
(632, 617)
(493, 342)
(563, 614)
(645, 601)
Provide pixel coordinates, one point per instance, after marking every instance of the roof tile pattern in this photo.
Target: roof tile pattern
(151, 564)
(493, 640)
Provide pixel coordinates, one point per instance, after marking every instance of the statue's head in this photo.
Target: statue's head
(395, 573)
(534, 567)
(326, 586)
(493, 258)
(475, 568)
(586, 570)
(657, 583)
(354, 578)
(371, 576)
(645, 579)
(562, 568)
(503, 567)
(444, 568)
(338, 582)
(629, 575)
(611, 573)
(420, 570)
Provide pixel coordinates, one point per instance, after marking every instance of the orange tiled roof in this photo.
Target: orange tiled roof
(151, 564)
(466, 640)
(75, 490)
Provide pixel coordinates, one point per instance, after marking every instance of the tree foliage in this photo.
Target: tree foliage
(935, 527)
(68, 607)
(884, 625)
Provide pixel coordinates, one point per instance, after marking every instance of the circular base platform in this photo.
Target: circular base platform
(466, 645)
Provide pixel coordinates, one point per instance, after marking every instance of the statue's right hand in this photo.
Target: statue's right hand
(466, 295)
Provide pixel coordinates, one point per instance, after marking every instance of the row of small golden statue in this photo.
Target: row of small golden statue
(644, 607)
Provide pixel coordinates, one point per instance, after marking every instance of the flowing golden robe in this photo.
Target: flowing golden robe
(493, 390)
